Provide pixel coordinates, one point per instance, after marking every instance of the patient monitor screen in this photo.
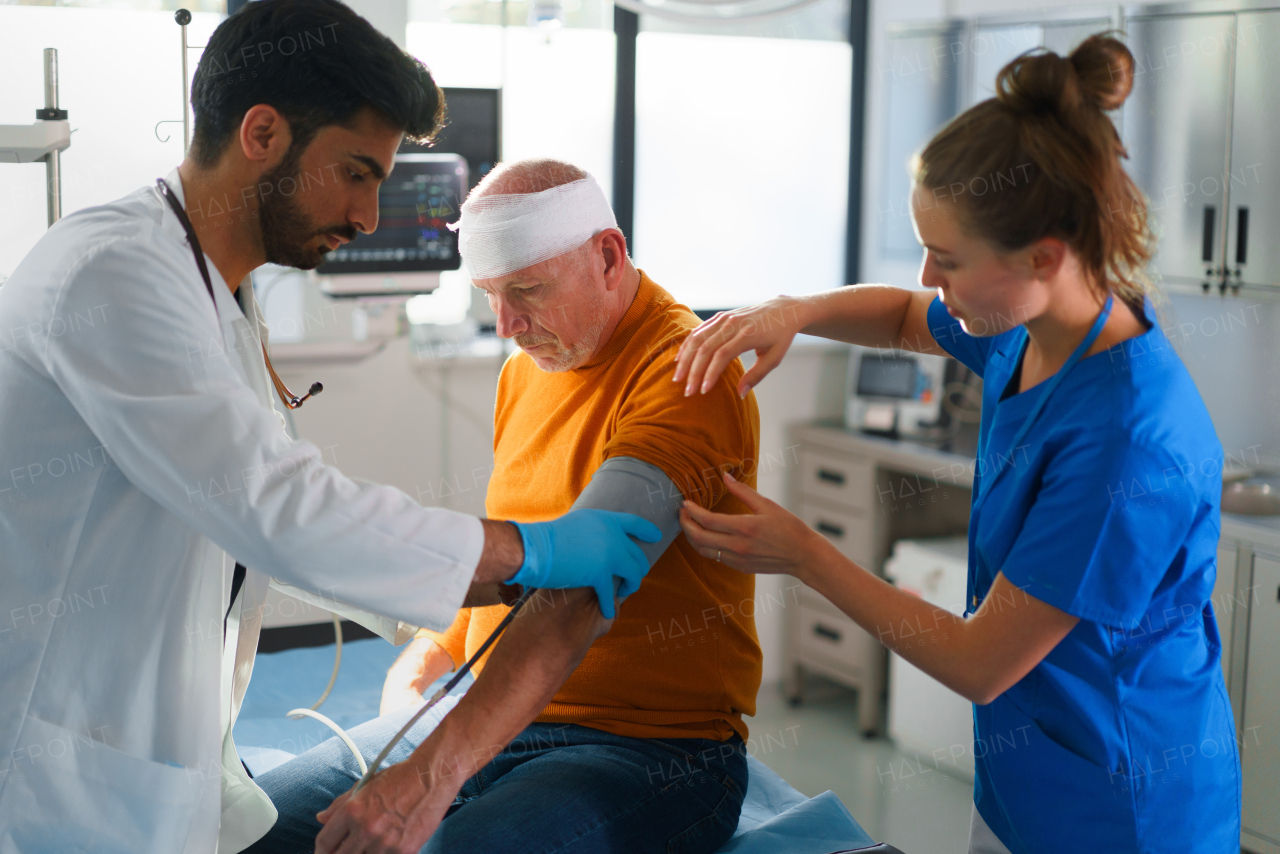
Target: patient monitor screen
(423, 194)
(887, 377)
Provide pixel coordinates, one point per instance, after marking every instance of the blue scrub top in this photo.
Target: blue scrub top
(1122, 738)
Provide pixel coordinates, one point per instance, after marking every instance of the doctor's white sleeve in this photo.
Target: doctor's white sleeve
(158, 384)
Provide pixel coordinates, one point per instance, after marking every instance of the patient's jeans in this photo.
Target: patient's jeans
(555, 788)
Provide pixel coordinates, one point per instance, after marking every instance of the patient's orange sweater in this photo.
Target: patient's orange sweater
(682, 659)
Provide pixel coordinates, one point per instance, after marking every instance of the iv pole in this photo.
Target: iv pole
(183, 17)
(51, 112)
(45, 140)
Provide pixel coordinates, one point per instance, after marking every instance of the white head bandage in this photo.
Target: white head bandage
(500, 234)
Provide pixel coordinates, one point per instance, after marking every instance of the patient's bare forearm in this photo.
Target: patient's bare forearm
(538, 652)
(480, 595)
(503, 553)
(491, 594)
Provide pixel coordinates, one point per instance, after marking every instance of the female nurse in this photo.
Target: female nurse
(1088, 645)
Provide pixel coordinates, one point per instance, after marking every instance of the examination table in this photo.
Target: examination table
(776, 819)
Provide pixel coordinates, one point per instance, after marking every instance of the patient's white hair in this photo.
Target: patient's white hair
(527, 176)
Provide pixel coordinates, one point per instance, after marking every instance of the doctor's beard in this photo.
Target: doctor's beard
(287, 231)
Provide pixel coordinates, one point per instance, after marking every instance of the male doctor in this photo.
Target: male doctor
(138, 442)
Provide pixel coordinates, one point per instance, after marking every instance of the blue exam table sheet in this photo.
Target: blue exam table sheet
(776, 819)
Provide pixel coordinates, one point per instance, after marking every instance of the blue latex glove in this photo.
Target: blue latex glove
(587, 548)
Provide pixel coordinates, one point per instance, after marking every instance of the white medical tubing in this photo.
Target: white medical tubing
(342, 734)
(337, 662)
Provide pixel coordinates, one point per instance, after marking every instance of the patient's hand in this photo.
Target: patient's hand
(403, 804)
(422, 662)
(396, 813)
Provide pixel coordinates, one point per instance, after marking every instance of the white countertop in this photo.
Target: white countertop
(1259, 530)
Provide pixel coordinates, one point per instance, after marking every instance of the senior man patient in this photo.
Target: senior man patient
(580, 734)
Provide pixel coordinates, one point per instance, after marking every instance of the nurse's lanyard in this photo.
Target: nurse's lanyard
(286, 397)
(984, 489)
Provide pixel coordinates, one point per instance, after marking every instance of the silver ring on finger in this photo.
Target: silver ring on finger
(718, 553)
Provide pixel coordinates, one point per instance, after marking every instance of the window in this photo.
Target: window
(742, 156)
(557, 98)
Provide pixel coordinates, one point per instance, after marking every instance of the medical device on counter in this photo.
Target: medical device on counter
(412, 244)
(44, 140)
(894, 393)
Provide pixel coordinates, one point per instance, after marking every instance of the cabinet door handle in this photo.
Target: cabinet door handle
(824, 632)
(829, 530)
(1206, 248)
(1242, 235)
(830, 476)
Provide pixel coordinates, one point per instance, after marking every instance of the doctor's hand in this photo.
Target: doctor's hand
(767, 328)
(395, 813)
(587, 548)
(769, 540)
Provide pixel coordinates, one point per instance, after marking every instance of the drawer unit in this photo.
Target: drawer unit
(845, 481)
(837, 643)
(835, 488)
(815, 601)
(851, 531)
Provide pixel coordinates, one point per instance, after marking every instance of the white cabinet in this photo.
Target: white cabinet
(926, 717)
(1246, 599)
(1260, 736)
(1224, 601)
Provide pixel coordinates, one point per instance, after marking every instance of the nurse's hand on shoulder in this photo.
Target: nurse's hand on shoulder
(769, 540)
(767, 328)
(396, 813)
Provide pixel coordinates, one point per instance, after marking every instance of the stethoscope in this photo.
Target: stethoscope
(286, 397)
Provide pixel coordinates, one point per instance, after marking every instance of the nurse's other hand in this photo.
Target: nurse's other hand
(767, 328)
(769, 540)
(395, 812)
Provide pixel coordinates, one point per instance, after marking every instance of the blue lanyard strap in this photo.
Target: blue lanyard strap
(1049, 388)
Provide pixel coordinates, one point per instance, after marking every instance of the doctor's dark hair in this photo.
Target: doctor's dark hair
(1042, 159)
(318, 63)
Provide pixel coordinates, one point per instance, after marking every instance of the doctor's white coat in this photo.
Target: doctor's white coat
(137, 443)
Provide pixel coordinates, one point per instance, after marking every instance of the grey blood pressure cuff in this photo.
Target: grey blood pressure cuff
(627, 485)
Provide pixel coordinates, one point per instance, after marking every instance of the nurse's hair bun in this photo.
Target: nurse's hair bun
(1043, 159)
(1097, 75)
